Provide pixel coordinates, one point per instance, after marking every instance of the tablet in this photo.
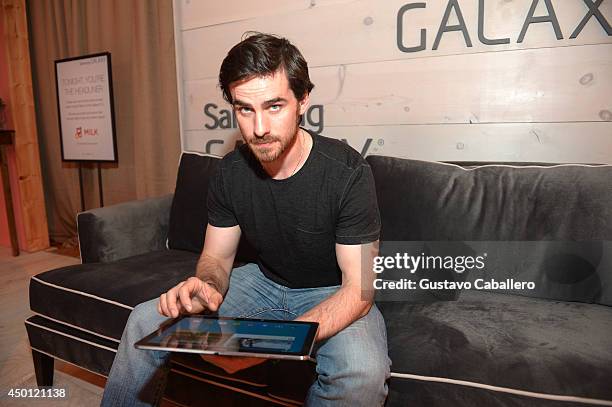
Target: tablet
(234, 337)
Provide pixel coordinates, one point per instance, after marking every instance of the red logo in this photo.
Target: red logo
(80, 132)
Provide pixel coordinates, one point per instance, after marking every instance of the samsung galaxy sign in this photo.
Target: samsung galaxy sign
(412, 39)
(219, 118)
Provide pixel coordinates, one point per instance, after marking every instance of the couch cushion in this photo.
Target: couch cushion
(72, 345)
(98, 297)
(567, 209)
(189, 215)
(415, 392)
(502, 340)
(189, 212)
(422, 200)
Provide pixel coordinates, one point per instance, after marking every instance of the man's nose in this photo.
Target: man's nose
(261, 128)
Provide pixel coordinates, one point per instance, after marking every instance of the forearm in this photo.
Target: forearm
(339, 311)
(213, 273)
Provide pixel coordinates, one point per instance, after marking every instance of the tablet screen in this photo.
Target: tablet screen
(233, 335)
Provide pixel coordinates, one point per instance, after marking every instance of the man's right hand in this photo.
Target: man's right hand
(191, 296)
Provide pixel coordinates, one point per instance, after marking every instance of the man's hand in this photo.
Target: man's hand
(207, 288)
(191, 296)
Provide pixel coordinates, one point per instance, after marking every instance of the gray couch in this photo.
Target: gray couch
(550, 346)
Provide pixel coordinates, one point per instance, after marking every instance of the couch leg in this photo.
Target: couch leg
(43, 366)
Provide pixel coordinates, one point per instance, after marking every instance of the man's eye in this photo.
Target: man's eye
(244, 110)
(275, 108)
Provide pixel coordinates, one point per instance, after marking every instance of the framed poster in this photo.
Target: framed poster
(85, 108)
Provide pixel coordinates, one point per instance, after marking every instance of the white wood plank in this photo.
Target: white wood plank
(202, 13)
(516, 142)
(520, 142)
(365, 31)
(547, 85)
(179, 61)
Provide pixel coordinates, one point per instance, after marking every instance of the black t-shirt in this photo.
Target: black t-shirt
(294, 223)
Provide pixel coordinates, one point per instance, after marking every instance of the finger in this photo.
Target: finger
(197, 295)
(215, 300)
(163, 305)
(207, 290)
(171, 303)
(204, 294)
(185, 299)
(184, 294)
(171, 297)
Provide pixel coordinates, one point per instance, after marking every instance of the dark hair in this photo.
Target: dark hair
(261, 55)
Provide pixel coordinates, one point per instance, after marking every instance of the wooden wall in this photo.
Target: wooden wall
(26, 173)
(490, 83)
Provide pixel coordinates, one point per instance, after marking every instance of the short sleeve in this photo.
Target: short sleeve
(359, 219)
(220, 212)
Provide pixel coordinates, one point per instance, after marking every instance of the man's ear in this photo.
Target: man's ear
(304, 103)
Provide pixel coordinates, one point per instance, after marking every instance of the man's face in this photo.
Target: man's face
(268, 113)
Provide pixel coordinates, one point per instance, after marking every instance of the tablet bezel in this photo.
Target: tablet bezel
(303, 354)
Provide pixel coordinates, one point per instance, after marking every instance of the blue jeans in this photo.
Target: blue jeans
(352, 366)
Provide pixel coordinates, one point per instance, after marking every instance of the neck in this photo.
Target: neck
(292, 159)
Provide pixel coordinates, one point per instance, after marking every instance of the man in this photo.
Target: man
(308, 205)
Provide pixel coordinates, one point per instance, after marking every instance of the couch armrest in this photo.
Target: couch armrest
(123, 230)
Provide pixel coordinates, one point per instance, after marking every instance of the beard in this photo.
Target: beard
(271, 147)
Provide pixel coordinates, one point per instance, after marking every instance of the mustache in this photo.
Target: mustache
(257, 141)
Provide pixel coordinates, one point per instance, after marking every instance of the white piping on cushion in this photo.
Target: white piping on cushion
(546, 396)
(543, 167)
(71, 336)
(200, 154)
(77, 327)
(64, 360)
(82, 293)
(79, 236)
(477, 166)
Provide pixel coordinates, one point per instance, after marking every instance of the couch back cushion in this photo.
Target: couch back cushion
(555, 221)
(189, 213)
